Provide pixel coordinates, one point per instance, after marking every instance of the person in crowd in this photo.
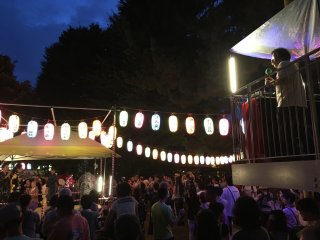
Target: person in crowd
(4, 182)
(153, 198)
(204, 204)
(218, 193)
(218, 210)
(91, 216)
(292, 214)
(31, 219)
(265, 202)
(162, 217)
(69, 225)
(16, 179)
(139, 195)
(207, 226)
(246, 214)
(94, 195)
(27, 186)
(193, 206)
(52, 184)
(34, 192)
(177, 195)
(127, 227)
(277, 225)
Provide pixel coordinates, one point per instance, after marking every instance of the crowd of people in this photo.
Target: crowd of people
(210, 207)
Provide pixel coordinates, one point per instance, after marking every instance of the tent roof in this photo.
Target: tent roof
(296, 28)
(24, 148)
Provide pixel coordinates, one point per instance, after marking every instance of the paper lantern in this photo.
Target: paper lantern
(96, 127)
(104, 140)
(129, 146)
(123, 118)
(14, 122)
(190, 159)
(217, 160)
(208, 160)
(112, 132)
(91, 135)
(183, 159)
(3, 134)
(202, 160)
(138, 120)
(83, 130)
(119, 142)
(147, 152)
(163, 155)
(155, 122)
(224, 126)
(190, 125)
(155, 154)
(212, 161)
(176, 158)
(65, 131)
(139, 149)
(208, 126)
(29, 166)
(173, 123)
(32, 129)
(169, 157)
(48, 131)
(9, 134)
(196, 159)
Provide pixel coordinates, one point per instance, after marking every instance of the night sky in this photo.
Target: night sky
(28, 27)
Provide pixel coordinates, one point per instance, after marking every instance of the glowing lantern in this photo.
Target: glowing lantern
(212, 161)
(32, 129)
(155, 154)
(176, 158)
(218, 160)
(163, 155)
(112, 132)
(190, 125)
(65, 131)
(183, 159)
(104, 138)
(173, 123)
(224, 126)
(9, 134)
(123, 118)
(83, 130)
(208, 160)
(14, 122)
(196, 159)
(91, 135)
(202, 160)
(169, 157)
(48, 131)
(138, 120)
(119, 142)
(23, 165)
(147, 152)
(3, 134)
(129, 146)
(96, 127)
(190, 159)
(230, 159)
(29, 166)
(208, 126)
(139, 149)
(155, 122)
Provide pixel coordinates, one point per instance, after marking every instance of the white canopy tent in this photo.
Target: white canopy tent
(296, 28)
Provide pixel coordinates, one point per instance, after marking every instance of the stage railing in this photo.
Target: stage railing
(262, 132)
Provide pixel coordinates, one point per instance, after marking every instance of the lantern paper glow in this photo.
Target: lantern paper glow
(123, 118)
(190, 159)
(112, 132)
(190, 125)
(208, 126)
(169, 157)
(138, 120)
(96, 127)
(139, 149)
(183, 159)
(155, 154)
(176, 158)
(29, 166)
(129, 146)
(212, 161)
(14, 122)
(163, 155)
(147, 152)
(218, 160)
(65, 131)
(119, 142)
(91, 135)
(202, 160)
(173, 123)
(83, 130)
(196, 159)
(208, 160)
(32, 129)
(48, 131)
(3, 134)
(224, 127)
(155, 122)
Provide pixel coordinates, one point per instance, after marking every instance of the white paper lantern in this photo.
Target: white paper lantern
(48, 131)
(92, 136)
(176, 158)
(119, 142)
(14, 122)
(169, 157)
(32, 129)
(96, 127)
(212, 161)
(3, 134)
(196, 159)
(147, 152)
(9, 134)
(112, 132)
(224, 126)
(138, 120)
(83, 130)
(65, 131)
(104, 138)
(183, 159)
(173, 123)
(123, 118)
(208, 160)
(217, 160)
(163, 155)
(29, 166)
(190, 125)
(208, 126)
(155, 154)
(190, 159)
(202, 160)
(139, 149)
(129, 146)
(155, 122)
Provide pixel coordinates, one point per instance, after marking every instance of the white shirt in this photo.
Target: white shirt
(230, 194)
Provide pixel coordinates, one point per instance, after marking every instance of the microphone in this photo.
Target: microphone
(268, 88)
(268, 71)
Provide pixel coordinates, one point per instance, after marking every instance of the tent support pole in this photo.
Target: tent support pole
(113, 148)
